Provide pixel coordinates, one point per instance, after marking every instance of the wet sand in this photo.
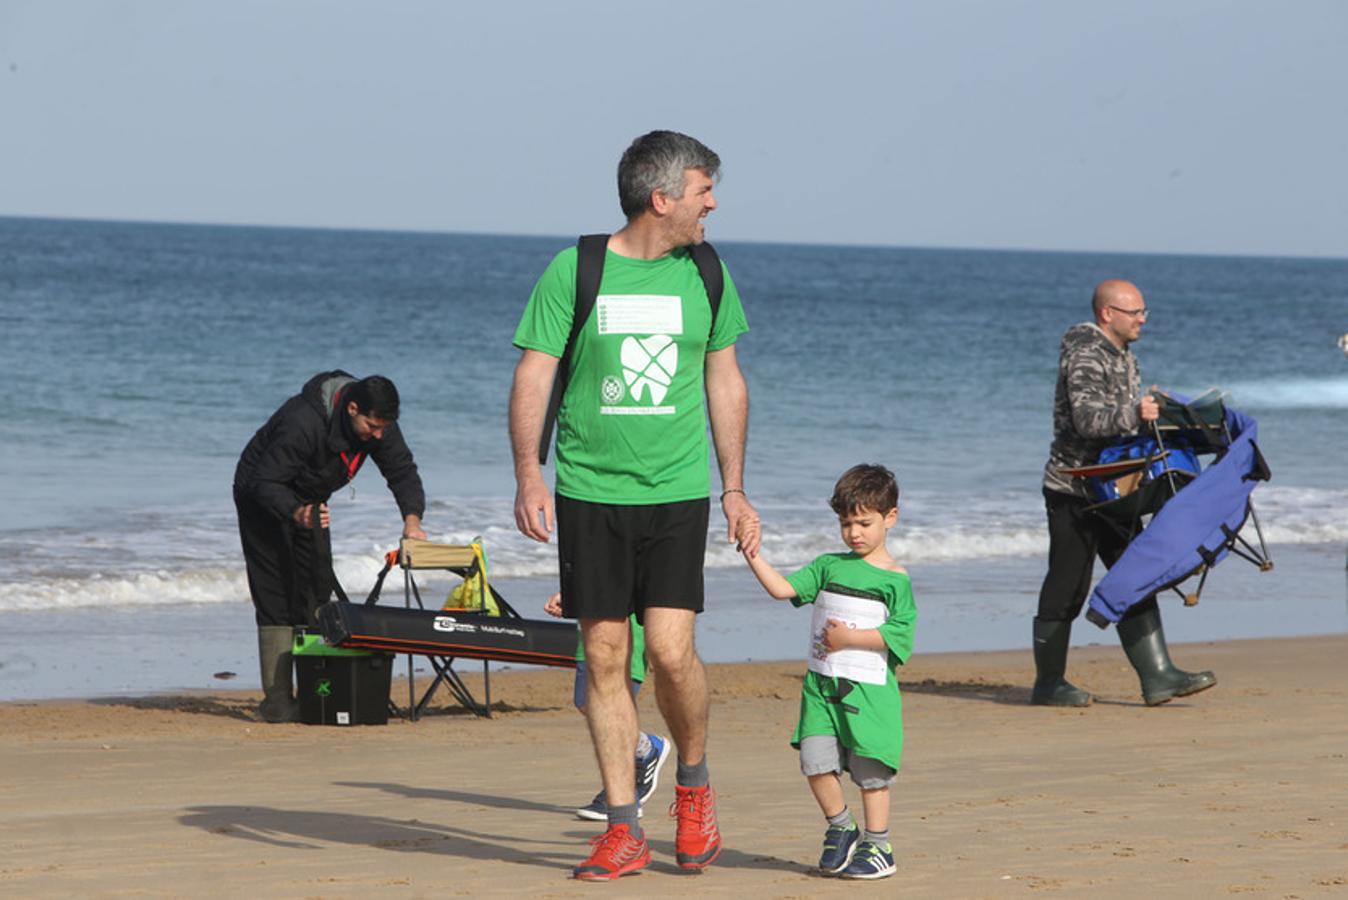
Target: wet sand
(1240, 790)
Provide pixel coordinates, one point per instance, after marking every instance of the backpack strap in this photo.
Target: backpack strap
(713, 279)
(590, 252)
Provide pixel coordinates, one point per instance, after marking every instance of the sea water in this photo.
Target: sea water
(137, 360)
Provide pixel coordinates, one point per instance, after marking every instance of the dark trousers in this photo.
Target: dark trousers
(289, 567)
(1075, 538)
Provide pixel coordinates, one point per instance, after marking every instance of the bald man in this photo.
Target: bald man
(1098, 400)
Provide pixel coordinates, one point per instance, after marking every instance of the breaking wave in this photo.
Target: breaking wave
(1292, 393)
(161, 560)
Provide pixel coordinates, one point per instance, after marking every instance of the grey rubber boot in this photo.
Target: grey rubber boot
(274, 656)
(1050, 665)
(1144, 642)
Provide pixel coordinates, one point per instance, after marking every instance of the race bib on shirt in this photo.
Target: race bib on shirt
(864, 666)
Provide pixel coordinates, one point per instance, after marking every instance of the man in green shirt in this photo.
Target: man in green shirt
(647, 371)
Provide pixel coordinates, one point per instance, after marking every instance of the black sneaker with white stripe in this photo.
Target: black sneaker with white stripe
(648, 777)
(648, 768)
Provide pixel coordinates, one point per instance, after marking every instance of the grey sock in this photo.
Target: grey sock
(878, 838)
(625, 815)
(692, 776)
(842, 819)
(643, 745)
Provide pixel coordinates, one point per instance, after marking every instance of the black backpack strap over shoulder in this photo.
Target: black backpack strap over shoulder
(713, 279)
(590, 251)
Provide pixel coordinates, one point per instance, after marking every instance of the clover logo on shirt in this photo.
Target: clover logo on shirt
(648, 366)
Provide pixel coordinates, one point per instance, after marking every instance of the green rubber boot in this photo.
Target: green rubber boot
(273, 653)
(1050, 665)
(1144, 642)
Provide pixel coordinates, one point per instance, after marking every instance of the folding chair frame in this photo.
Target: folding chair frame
(1180, 417)
(444, 665)
(405, 557)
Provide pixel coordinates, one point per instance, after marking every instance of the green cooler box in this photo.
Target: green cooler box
(341, 687)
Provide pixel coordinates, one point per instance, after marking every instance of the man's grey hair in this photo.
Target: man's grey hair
(656, 162)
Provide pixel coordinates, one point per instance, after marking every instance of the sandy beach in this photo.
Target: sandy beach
(1239, 790)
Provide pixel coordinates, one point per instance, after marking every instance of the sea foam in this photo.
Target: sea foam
(794, 533)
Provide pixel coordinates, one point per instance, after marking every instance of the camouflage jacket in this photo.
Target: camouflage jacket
(1095, 402)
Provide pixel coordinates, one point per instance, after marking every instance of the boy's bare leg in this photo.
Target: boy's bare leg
(609, 709)
(680, 680)
(827, 790)
(876, 804)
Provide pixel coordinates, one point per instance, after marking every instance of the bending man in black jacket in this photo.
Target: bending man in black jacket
(310, 447)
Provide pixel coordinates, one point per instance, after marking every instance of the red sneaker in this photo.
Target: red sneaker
(697, 841)
(615, 853)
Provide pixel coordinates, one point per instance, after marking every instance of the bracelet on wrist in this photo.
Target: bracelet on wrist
(739, 491)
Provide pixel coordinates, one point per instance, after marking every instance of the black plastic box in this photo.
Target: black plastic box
(341, 687)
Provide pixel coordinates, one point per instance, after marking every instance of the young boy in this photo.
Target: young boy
(652, 750)
(850, 709)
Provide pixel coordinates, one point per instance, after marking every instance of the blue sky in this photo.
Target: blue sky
(1206, 127)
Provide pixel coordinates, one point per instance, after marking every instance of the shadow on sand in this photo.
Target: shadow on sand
(242, 709)
(319, 830)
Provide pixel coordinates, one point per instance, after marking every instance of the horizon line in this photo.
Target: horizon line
(728, 241)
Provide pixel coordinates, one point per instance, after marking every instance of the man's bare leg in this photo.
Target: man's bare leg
(680, 680)
(681, 690)
(609, 709)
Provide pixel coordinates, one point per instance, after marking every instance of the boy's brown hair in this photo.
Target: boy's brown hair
(865, 487)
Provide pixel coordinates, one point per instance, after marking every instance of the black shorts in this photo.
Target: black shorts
(618, 560)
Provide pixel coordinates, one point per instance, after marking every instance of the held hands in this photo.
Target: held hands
(304, 516)
(742, 525)
(750, 535)
(1148, 410)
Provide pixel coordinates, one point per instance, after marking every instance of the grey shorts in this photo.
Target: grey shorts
(821, 754)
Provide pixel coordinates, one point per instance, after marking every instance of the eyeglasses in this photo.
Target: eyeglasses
(1134, 313)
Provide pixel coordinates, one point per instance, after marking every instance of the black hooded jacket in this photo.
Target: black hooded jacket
(307, 450)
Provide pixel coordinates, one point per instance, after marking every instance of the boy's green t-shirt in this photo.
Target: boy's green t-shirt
(632, 428)
(865, 718)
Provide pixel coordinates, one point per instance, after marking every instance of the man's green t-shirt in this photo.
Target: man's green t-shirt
(632, 428)
(865, 718)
